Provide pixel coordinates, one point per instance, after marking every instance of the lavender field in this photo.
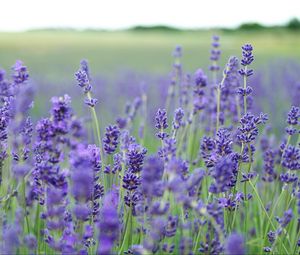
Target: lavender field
(143, 143)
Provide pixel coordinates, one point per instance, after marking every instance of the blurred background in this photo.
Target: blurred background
(129, 47)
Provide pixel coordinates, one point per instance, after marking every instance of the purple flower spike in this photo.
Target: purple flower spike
(135, 157)
(215, 53)
(111, 139)
(247, 55)
(223, 174)
(293, 116)
(91, 101)
(286, 219)
(161, 119)
(109, 224)
(178, 116)
(20, 73)
(291, 158)
(131, 181)
(83, 81)
(161, 123)
(235, 245)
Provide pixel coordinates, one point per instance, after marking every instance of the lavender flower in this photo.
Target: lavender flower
(168, 151)
(135, 157)
(269, 166)
(161, 123)
(287, 217)
(84, 64)
(20, 74)
(178, 116)
(91, 102)
(131, 181)
(292, 120)
(61, 113)
(223, 142)
(82, 174)
(291, 158)
(293, 116)
(247, 60)
(207, 146)
(11, 240)
(215, 53)
(198, 93)
(248, 129)
(111, 139)
(235, 245)
(109, 224)
(151, 175)
(223, 174)
(83, 80)
(177, 53)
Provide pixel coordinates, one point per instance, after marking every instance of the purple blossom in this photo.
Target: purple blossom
(11, 240)
(111, 139)
(61, 113)
(30, 241)
(82, 175)
(91, 102)
(200, 81)
(20, 74)
(293, 116)
(207, 147)
(83, 80)
(287, 217)
(247, 59)
(151, 175)
(223, 174)
(292, 120)
(223, 142)
(84, 64)
(178, 116)
(109, 224)
(248, 130)
(291, 158)
(271, 236)
(199, 99)
(177, 53)
(288, 178)
(235, 244)
(269, 166)
(215, 53)
(135, 157)
(168, 151)
(131, 181)
(161, 123)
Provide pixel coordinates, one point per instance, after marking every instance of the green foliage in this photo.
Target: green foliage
(252, 26)
(293, 24)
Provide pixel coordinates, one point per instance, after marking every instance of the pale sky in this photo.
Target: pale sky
(16, 15)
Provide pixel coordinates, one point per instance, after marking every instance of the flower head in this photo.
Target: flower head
(20, 73)
(235, 244)
(111, 139)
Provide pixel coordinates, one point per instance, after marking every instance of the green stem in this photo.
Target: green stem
(126, 233)
(24, 205)
(37, 226)
(266, 213)
(273, 211)
(219, 101)
(238, 108)
(96, 128)
(245, 86)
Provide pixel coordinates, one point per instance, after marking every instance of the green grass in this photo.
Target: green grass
(54, 55)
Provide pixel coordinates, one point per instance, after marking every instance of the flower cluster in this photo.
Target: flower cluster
(203, 187)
